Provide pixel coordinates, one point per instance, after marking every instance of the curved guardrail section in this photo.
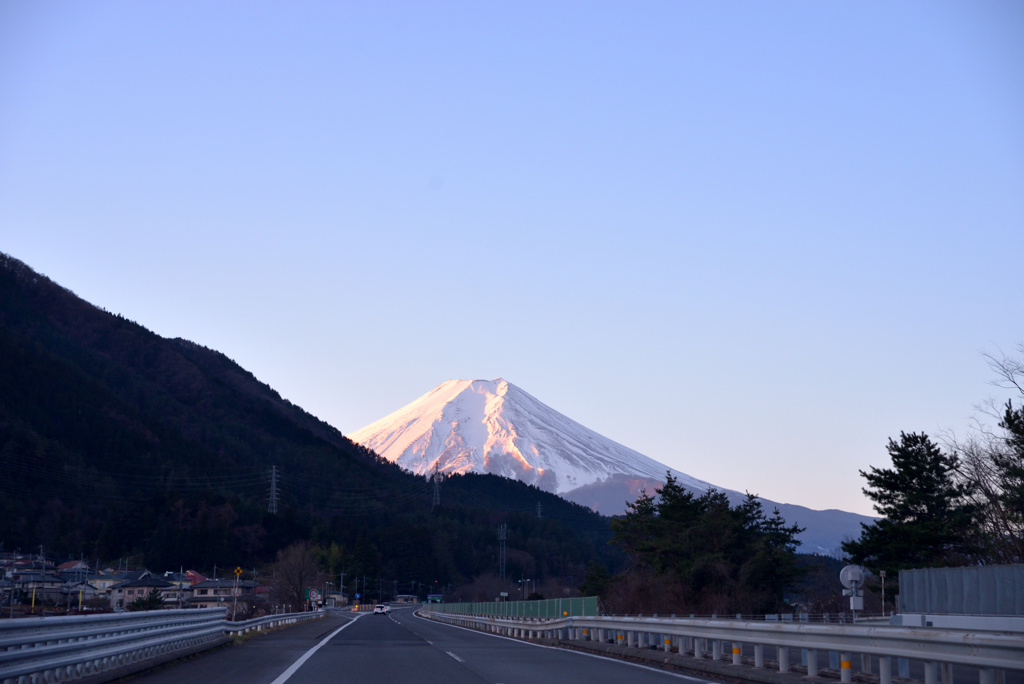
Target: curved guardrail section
(269, 622)
(52, 649)
(987, 651)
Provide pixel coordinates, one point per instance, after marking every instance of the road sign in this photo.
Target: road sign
(357, 594)
(238, 571)
(314, 595)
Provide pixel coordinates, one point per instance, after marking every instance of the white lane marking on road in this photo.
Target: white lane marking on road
(286, 675)
(580, 653)
(454, 656)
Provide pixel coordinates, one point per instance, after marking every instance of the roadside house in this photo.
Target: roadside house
(46, 587)
(123, 593)
(220, 593)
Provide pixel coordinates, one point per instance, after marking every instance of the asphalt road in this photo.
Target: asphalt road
(398, 647)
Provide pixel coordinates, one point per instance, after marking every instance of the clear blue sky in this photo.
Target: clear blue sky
(751, 240)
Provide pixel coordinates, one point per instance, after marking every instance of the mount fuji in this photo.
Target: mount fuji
(492, 426)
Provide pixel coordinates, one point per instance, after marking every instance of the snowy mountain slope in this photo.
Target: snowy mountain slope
(492, 426)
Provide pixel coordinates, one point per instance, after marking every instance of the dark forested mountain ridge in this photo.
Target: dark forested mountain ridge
(176, 379)
(106, 389)
(114, 441)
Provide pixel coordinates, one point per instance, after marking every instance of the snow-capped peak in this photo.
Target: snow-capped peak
(492, 426)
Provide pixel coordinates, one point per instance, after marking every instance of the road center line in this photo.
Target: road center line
(454, 656)
(286, 675)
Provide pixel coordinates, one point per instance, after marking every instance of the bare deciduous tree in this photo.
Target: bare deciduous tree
(992, 460)
(295, 571)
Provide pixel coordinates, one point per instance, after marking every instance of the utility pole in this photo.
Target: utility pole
(502, 536)
(882, 575)
(272, 508)
(234, 594)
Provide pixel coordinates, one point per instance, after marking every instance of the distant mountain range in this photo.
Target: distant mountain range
(492, 426)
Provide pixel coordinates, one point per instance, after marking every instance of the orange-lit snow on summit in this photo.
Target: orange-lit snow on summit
(492, 426)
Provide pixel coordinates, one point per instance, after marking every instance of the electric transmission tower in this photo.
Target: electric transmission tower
(502, 537)
(540, 511)
(272, 508)
(437, 490)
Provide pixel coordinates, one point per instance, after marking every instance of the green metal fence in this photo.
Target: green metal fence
(547, 608)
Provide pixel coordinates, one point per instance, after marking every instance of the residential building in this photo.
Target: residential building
(123, 593)
(215, 593)
(41, 587)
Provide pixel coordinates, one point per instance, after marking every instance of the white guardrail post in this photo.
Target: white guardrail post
(989, 652)
(51, 649)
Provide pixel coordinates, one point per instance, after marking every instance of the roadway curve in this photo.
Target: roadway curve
(399, 647)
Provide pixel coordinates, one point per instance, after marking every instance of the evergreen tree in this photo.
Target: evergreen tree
(150, 601)
(596, 581)
(635, 531)
(927, 516)
(1010, 464)
(701, 554)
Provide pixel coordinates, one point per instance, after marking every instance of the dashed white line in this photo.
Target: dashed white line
(454, 656)
(579, 653)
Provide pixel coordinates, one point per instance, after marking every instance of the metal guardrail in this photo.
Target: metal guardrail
(987, 651)
(269, 621)
(543, 608)
(52, 649)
